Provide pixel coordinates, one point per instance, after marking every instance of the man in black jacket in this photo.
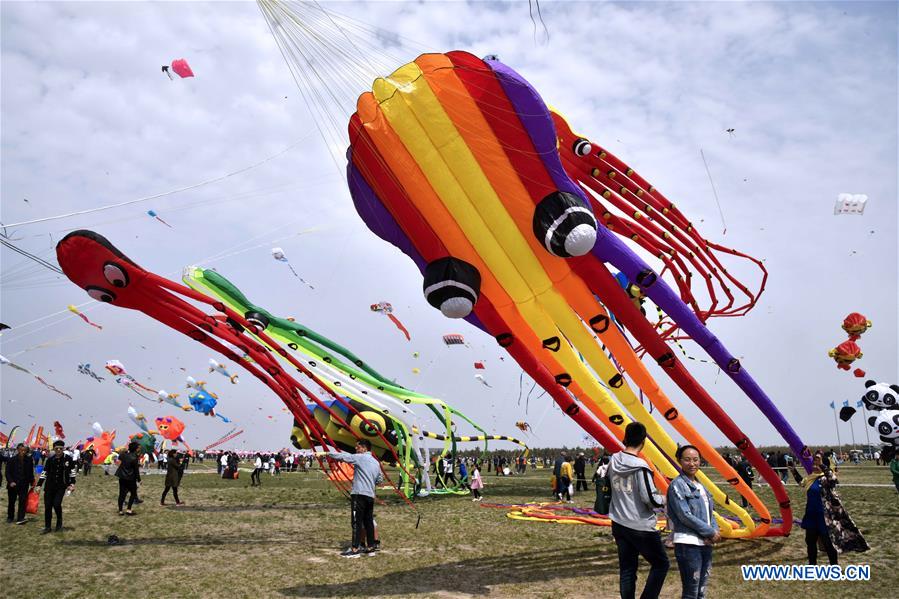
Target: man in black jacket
(59, 475)
(744, 470)
(128, 474)
(19, 476)
(580, 471)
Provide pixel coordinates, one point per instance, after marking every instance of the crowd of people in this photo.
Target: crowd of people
(633, 504)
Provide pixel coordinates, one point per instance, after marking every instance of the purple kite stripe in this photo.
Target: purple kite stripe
(535, 118)
(382, 223)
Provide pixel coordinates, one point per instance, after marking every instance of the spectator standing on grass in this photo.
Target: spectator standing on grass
(257, 470)
(366, 476)
(476, 482)
(691, 517)
(128, 474)
(172, 477)
(580, 470)
(223, 463)
(634, 524)
(59, 474)
(566, 473)
(825, 519)
(19, 478)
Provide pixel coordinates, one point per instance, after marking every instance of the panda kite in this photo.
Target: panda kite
(880, 396)
(886, 424)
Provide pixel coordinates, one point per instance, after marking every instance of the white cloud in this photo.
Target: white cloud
(89, 119)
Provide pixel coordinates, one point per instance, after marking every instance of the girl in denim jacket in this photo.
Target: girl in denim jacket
(691, 517)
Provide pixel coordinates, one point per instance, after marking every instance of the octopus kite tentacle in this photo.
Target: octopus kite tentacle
(91, 262)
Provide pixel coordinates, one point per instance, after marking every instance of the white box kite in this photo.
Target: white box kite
(850, 203)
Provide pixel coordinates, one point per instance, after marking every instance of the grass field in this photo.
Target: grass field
(231, 540)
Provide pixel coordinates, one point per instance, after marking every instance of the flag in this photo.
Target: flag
(832, 407)
(859, 403)
(846, 403)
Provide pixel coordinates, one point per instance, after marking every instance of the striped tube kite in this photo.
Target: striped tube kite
(458, 162)
(372, 406)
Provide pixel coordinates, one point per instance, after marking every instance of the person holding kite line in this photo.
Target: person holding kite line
(634, 496)
(366, 476)
(691, 517)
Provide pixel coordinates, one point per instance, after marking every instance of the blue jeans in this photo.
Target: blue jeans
(631, 545)
(695, 565)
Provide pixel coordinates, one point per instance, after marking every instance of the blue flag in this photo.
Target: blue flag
(832, 407)
(846, 404)
(859, 403)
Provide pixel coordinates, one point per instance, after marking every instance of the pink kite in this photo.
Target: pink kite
(181, 67)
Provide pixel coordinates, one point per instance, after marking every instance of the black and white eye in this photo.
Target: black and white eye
(100, 294)
(115, 274)
(889, 400)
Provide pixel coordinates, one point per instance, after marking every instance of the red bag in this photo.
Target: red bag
(32, 502)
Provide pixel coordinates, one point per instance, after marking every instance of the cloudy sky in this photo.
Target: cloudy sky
(89, 120)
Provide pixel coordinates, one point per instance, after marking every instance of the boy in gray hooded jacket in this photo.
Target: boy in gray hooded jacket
(634, 497)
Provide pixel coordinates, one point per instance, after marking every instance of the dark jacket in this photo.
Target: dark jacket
(173, 474)
(580, 466)
(58, 472)
(744, 469)
(19, 471)
(129, 467)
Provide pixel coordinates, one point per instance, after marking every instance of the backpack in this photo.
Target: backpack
(603, 502)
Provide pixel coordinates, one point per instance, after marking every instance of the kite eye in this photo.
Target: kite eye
(452, 286)
(100, 294)
(564, 225)
(258, 319)
(115, 274)
(888, 399)
(581, 147)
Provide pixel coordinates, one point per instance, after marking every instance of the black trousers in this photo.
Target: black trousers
(19, 492)
(127, 487)
(581, 480)
(87, 467)
(743, 501)
(631, 545)
(166, 492)
(53, 503)
(811, 544)
(363, 507)
(564, 483)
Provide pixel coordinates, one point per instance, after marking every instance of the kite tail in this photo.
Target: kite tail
(222, 417)
(290, 266)
(165, 223)
(400, 326)
(234, 379)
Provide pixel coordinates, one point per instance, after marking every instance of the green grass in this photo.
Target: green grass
(231, 540)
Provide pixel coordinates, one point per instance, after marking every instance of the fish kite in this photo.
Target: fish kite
(75, 310)
(86, 369)
(171, 429)
(219, 368)
(117, 369)
(138, 419)
(101, 443)
(171, 398)
(386, 309)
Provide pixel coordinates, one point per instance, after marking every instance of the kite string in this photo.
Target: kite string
(714, 191)
(166, 193)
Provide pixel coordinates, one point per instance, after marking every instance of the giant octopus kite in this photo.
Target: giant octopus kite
(95, 265)
(458, 162)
